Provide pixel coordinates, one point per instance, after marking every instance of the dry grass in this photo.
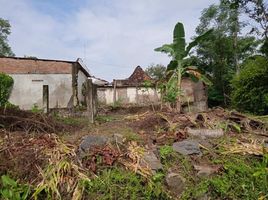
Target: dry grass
(63, 175)
(253, 147)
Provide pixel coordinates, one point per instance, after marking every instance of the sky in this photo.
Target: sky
(111, 36)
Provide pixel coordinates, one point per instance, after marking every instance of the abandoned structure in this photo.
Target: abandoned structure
(45, 83)
(135, 90)
(129, 91)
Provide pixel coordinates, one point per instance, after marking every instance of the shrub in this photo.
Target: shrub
(6, 83)
(250, 87)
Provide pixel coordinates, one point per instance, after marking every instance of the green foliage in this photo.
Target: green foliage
(120, 184)
(165, 152)
(157, 71)
(11, 190)
(6, 83)
(176, 70)
(220, 54)
(242, 178)
(36, 109)
(264, 47)
(250, 88)
(5, 49)
(105, 118)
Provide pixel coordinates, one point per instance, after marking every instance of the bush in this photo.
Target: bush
(250, 87)
(6, 83)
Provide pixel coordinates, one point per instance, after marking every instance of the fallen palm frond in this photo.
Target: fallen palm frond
(136, 153)
(254, 148)
(62, 175)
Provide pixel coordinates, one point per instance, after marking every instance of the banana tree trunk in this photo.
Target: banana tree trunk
(179, 74)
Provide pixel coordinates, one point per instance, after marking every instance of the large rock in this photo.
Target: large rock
(205, 133)
(187, 147)
(150, 160)
(175, 183)
(90, 141)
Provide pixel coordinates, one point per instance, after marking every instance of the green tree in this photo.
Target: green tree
(157, 71)
(178, 51)
(6, 83)
(250, 88)
(5, 49)
(222, 53)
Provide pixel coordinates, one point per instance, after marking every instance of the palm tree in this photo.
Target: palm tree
(178, 51)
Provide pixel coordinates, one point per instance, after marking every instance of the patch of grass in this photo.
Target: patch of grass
(165, 152)
(130, 136)
(73, 121)
(105, 118)
(172, 159)
(36, 109)
(118, 183)
(242, 178)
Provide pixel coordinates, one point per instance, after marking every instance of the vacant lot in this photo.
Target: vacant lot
(133, 153)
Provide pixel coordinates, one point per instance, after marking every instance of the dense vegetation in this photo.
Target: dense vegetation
(6, 83)
(237, 47)
(250, 87)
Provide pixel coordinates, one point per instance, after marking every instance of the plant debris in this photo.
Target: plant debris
(107, 154)
(20, 120)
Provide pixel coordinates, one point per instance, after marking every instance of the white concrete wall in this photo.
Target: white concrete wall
(28, 90)
(128, 95)
(82, 78)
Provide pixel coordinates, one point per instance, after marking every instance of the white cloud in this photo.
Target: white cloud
(112, 36)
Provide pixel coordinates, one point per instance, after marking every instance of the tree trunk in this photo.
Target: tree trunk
(178, 103)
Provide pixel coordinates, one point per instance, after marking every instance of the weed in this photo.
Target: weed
(242, 178)
(105, 118)
(36, 109)
(118, 183)
(131, 136)
(73, 121)
(11, 190)
(165, 152)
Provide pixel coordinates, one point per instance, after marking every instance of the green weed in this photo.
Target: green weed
(120, 184)
(105, 118)
(242, 178)
(11, 190)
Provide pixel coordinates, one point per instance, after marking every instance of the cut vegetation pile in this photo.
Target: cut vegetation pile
(19, 120)
(217, 118)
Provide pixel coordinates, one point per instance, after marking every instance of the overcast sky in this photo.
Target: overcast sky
(111, 36)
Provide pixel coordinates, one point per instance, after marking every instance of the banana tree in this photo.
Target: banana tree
(178, 51)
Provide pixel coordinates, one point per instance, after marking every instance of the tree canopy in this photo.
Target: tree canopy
(5, 49)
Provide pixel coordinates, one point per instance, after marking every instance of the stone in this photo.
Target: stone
(90, 141)
(150, 160)
(205, 171)
(205, 133)
(187, 147)
(175, 183)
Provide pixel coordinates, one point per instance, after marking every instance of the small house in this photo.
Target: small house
(43, 82)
